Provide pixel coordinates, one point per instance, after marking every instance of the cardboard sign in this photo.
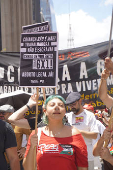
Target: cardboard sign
(38, 27)
(39, 59)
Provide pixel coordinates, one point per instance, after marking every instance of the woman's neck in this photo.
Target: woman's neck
(54, 130)
(55, 125)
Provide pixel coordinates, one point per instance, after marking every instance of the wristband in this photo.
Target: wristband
(28, 107)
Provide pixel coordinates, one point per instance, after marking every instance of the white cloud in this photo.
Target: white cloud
(85, 29)
(108, 2)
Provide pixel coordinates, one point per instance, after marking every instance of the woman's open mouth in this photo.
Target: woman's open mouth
(56, 113)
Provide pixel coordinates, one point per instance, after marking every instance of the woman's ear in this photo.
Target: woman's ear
(44, 110)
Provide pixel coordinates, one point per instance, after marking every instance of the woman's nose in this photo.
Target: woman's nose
(56, 107)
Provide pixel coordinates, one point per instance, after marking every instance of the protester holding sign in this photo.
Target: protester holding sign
(59, 146)
(108, 101)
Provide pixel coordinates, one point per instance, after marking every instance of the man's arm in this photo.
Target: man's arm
(103, 152)
(13, 158)
(90, 135)
(102, 91)
(98, 146)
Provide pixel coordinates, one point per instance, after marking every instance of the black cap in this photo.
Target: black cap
(73, 97)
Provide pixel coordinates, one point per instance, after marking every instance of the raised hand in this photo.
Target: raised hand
(21, 152)
(105, 74)
(109, 64)
(32, 100)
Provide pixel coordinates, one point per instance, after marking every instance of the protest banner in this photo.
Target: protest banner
(37, 27)
(39, 59)
(79, 69)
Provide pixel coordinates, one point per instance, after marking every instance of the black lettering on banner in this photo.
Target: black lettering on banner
(79, 69)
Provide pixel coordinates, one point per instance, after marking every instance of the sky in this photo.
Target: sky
(90, 22)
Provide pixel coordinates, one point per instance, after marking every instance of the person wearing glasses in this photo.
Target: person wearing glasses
(83, 120)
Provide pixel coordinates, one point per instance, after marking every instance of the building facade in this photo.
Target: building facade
(47, 13)
(18, 13)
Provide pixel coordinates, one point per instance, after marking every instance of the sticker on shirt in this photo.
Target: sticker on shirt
(52, 148)
(78, 120)
(65, 149)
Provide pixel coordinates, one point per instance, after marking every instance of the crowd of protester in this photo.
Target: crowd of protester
(66, 140)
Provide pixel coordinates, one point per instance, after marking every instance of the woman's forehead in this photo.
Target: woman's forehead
(55, 100)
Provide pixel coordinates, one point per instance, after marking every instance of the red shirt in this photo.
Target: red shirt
(55, 153)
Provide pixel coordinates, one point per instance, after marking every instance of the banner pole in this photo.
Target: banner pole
(44, 95)
(109, 47)
(108, 55)
(36, 120)
(36, 117)
(55, 90)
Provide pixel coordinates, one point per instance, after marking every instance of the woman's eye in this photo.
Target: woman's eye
(61, 105)
(52, 104)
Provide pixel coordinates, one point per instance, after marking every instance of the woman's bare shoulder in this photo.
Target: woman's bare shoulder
(74, 130)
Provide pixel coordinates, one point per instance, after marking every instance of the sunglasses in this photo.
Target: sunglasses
(2, 113)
